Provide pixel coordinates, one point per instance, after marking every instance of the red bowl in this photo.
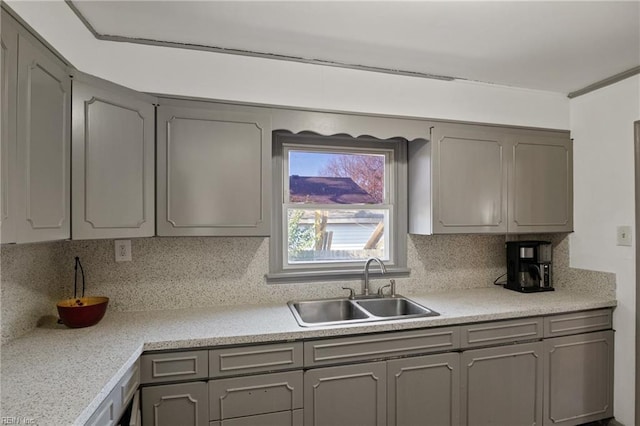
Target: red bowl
(83, 311)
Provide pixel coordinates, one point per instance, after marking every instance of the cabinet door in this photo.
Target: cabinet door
(43, 120)
(282, 418)
(9, 81)
(184, 404)
(502, 386)
(469, 181)
(346, 395)
(214, 170)
(541, 189)
(578, 379)
(424, 390)
(253, 395)
(113, 162)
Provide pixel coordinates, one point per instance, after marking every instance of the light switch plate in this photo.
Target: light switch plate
(123, 250)
(623, 236)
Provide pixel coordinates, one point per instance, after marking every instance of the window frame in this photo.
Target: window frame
(395, 200)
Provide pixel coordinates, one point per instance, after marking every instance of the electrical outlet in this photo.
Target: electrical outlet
(623, 235)
(123, 250)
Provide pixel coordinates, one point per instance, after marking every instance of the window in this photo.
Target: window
(337, 202)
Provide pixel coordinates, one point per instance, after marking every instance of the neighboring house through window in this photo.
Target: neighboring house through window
(337, 201)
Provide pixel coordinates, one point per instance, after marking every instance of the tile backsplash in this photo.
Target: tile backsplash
(174, 273)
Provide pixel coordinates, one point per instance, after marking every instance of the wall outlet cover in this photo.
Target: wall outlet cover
(123, 250)
(623, 236)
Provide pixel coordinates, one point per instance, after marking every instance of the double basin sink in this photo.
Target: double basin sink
(313, 313)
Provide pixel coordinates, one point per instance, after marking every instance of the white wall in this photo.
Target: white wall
(602, 128)
(230, 77)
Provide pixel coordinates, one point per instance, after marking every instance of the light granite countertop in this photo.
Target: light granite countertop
(59, 376)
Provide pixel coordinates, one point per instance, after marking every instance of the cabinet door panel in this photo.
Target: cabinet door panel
(346, 395)
(213, 172)
(578, 378)
(423, 388)
(184, 404)
(470, 178)
(251, 395)
(542, 185)
(9, 64)
(502, 386)
(43, 145)
(113, 156)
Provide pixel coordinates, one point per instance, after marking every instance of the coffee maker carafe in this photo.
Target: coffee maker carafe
(529, 266)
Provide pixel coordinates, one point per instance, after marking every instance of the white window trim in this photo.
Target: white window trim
(396, 193)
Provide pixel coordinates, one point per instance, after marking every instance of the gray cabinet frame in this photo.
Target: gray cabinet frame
(112, 197)
(215, 195)
(487, 179)
(578, 382)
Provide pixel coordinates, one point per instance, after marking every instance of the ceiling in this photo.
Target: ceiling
(556, 46)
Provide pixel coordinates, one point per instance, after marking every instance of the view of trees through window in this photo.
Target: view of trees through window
(336, 206)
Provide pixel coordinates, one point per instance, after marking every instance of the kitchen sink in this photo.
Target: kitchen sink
(327, 311)
(394, 307)
(314, 313)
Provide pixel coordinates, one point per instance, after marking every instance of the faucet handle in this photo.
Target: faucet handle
(352, 293)
(381, 290)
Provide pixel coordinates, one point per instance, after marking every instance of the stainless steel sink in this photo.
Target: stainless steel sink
(319, 312)
(314, 313)
(394, 307)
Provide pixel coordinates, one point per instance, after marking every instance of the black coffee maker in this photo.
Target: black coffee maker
(529, 266)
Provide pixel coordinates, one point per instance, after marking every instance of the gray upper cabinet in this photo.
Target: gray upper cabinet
(541, 189)
(468, 182)
(36, 111)
(113, 161)
(8, 89)
(214, 169)
(482, 179)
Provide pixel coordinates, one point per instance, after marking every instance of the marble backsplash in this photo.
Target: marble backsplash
(174, 273)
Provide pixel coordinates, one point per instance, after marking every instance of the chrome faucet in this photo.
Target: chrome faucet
(383, 270)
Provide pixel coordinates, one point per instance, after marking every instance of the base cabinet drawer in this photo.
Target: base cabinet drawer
(385, 345)
(577, 322)
(252, 395)
(283, 418)
(500, 332)
(578, 378)
(173, 366)
(255, 359)
(184, 404)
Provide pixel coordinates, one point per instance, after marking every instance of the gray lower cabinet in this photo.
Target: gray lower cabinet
(180, 404)
(354, 395)
(113, 161)
(578, 378)
(213, 169)
(282, 418)
(502, 385)
(553, 370)
(264, 397)
(424, 390)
